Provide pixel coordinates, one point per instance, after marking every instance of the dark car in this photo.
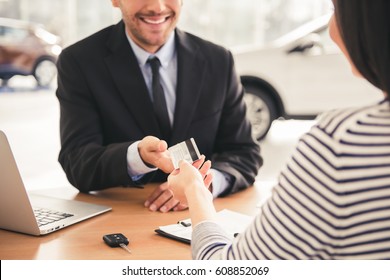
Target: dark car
(27, 49)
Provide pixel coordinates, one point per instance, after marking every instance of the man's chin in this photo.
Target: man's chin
(156, 42)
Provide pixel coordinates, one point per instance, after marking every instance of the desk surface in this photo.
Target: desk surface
(83, 241)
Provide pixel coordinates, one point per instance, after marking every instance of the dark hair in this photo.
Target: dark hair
(365, 29)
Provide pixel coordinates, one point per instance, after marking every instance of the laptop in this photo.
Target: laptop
(35, 214)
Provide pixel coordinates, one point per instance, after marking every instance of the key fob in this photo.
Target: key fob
(115, 239)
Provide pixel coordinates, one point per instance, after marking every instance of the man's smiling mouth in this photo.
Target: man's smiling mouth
(155, 19)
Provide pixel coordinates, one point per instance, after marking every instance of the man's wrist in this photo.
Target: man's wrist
(220, 182)
(140, 156)
(135, 165)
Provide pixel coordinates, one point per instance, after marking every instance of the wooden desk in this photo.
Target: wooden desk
(83, 241)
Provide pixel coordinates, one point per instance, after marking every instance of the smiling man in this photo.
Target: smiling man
(131, 90)
(149, 23)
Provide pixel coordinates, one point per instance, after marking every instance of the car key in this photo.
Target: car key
(117, 240)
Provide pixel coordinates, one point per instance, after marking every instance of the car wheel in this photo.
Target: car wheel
(44, 72)
(261, 110)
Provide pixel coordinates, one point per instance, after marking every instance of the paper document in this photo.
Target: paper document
(232, 222)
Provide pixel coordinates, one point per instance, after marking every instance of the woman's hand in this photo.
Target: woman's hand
(190, 177)
(190, 185)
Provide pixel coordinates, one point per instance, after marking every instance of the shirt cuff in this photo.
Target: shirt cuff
(135, 165)
(221, 181)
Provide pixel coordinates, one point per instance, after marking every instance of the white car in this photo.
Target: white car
(298, 76)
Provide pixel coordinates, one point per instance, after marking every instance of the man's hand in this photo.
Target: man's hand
(162, 199)
(154, 152)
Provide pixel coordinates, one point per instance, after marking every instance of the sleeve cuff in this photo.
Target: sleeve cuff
(221, 182)
(135, 165)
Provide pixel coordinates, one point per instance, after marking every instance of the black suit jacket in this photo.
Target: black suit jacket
(105, 106)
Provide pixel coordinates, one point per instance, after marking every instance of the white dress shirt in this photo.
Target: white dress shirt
(168, 78)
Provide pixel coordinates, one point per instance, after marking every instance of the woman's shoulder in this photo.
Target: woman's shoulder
(337, 121)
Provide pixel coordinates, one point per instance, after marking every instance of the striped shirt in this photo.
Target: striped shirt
(332, 200)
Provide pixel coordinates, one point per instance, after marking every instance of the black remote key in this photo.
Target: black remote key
(117, 240)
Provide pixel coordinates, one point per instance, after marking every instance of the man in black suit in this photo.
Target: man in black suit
(110, 135)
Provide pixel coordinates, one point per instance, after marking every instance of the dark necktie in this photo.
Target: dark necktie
(159, 103)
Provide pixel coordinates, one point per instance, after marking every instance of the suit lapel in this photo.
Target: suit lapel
(191, 72)
(128, 77)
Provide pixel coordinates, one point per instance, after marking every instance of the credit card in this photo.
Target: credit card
(186, 150)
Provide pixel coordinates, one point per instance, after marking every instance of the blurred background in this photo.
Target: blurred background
(227, 22)
(289, 67)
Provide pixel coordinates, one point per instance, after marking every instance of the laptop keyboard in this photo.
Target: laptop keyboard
(47, 216)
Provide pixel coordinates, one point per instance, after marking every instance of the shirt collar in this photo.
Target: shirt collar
(164, 54)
